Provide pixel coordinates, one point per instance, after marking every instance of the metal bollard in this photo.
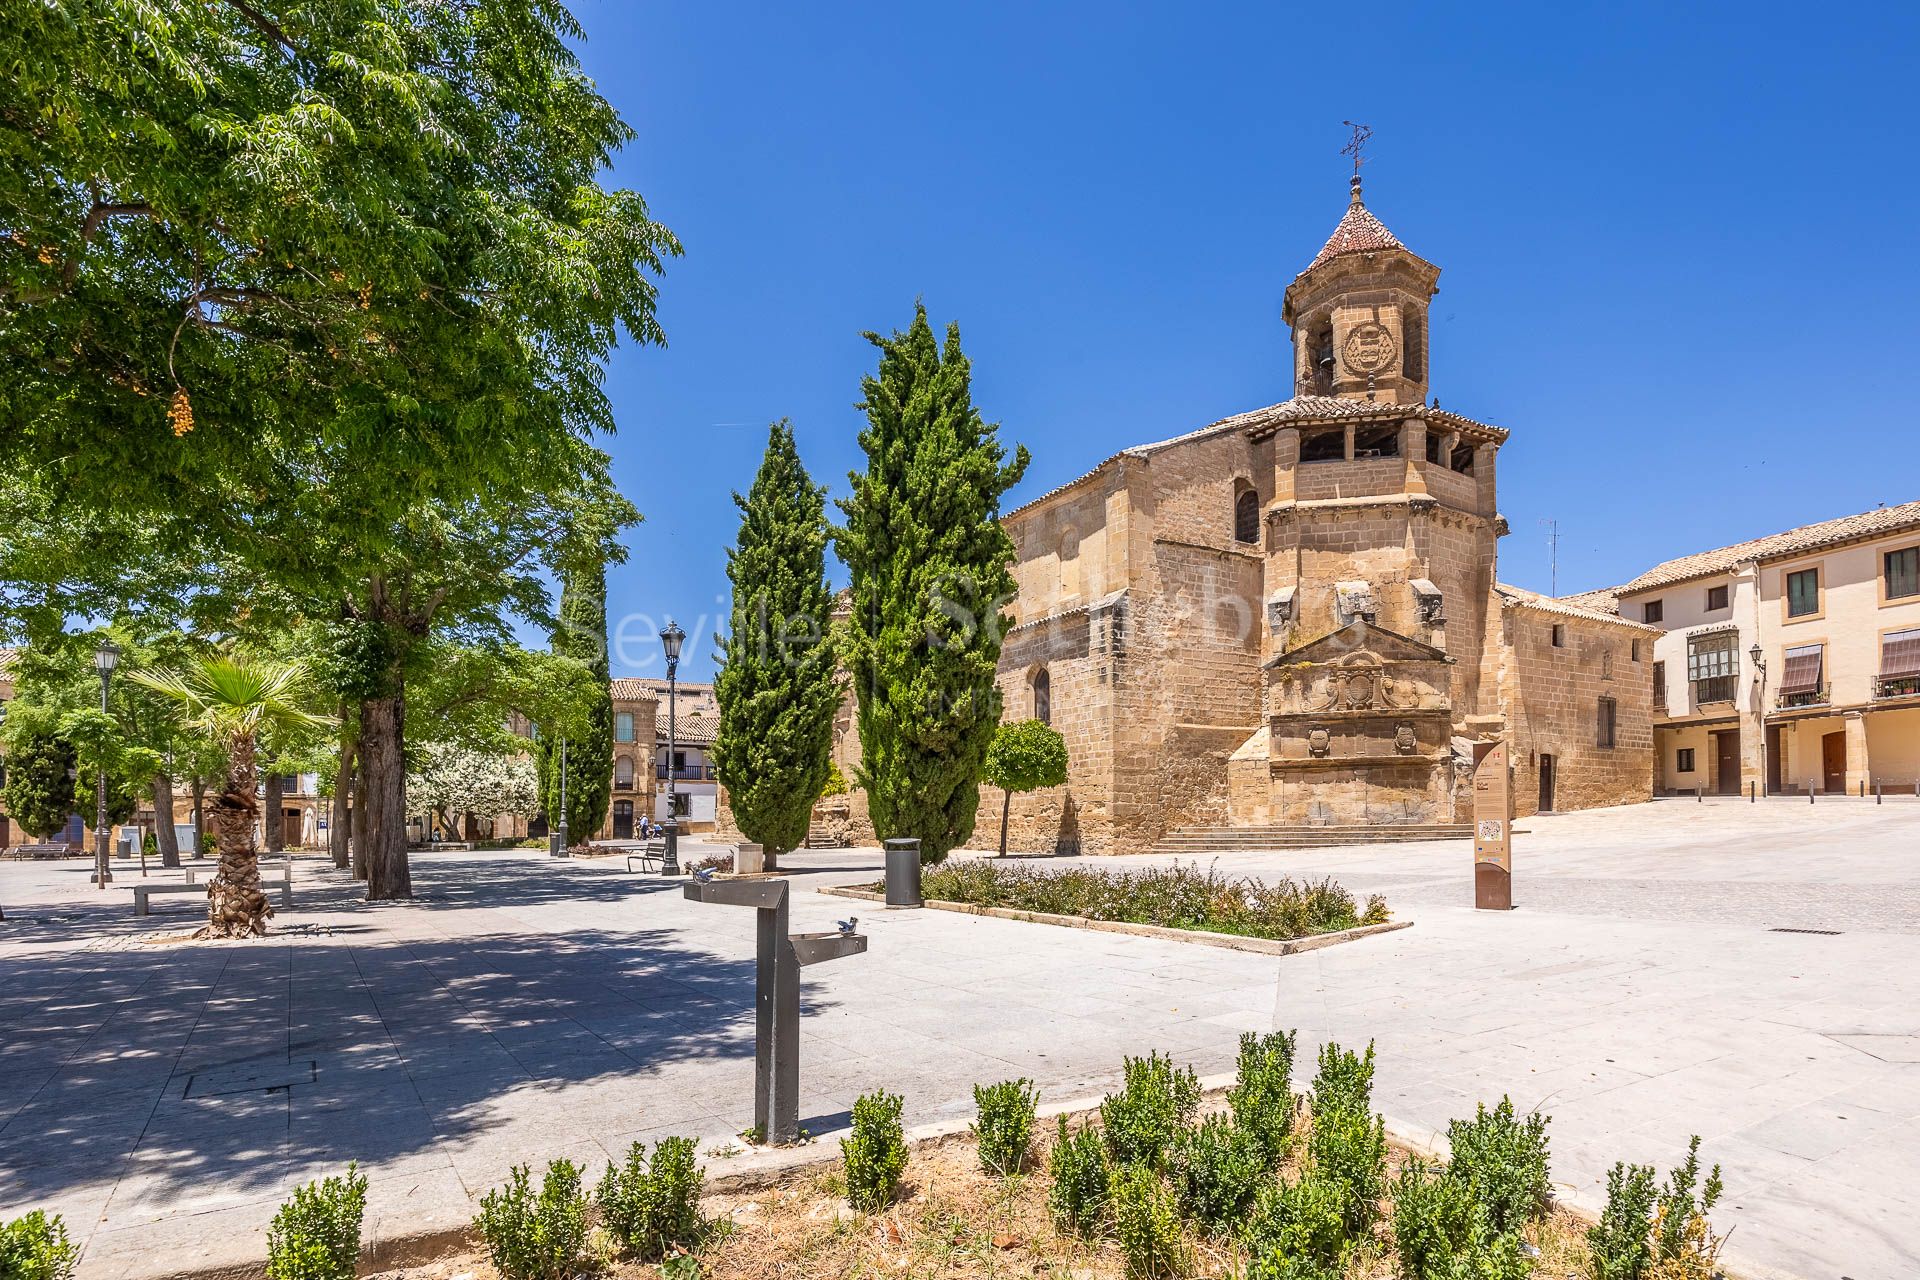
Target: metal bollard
(1753, 792)
(1879, 793)
(903, 873)
(1699, 795)
(1809, 795)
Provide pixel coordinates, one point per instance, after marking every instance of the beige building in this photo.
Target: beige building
(1291, 616)
(641, 760)
(1790, 663)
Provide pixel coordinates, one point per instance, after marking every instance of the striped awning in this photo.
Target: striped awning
(1900, 655)
(1803, 672)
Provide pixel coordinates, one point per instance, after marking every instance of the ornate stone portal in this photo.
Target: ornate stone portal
(1359, 730)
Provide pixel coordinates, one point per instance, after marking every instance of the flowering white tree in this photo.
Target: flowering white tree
(451, 780)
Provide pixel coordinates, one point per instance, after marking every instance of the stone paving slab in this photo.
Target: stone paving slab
(525, 1008)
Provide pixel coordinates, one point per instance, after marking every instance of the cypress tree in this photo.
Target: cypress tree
(931, 572)
(582, 634)
(39, 791)
(777, 684)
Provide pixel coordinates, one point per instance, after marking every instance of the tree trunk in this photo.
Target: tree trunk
(236, 907)
(276, 823)
(199, 817)
(339, 832)
(163, 832)
(383, 798)
(1006, 805)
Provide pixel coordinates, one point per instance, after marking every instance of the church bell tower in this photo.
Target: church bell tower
(1359, 313)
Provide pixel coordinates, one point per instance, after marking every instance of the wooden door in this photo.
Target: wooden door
(1726, 746)
(1546, 784)
(623, 819)
(1776, 759)
(1833, 762)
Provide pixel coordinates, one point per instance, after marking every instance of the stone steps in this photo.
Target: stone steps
(1191, 840)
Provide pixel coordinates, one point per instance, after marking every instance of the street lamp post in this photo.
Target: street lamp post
(560, 832)
(670, 638)
(105, 659)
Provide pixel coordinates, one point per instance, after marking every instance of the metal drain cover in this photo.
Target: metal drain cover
(250, 1077)
(1825, 933)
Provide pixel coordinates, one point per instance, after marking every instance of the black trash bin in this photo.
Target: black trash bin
(903, 873)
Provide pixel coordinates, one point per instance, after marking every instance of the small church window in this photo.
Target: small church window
(1462, 460)
(1246, 514)
(1434, 445)
(1042, 697)
(1377, 442)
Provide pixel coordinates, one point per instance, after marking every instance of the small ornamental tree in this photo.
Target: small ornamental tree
(777, 686)
(930, 568)
(1025, 755)
(39, 790)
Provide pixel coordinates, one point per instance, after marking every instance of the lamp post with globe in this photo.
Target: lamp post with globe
(105, 659)
(671, 637)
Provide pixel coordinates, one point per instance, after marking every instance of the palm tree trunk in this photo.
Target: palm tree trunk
(383, 798)
(276, 823)
(339, 832)
(236, 907)
(163, 833)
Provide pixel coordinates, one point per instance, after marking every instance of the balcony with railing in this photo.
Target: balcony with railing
(1818, 696)
(687, 773)
(1713, 689)
(1896, 686)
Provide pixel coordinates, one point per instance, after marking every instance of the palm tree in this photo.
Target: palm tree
(235, 698)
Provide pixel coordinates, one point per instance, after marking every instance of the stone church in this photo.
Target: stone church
(1292, 618)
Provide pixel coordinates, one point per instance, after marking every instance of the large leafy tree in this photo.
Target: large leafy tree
(931, 573)
(776, 686)
(39, 789)
(582, 636)
(1024, 756)
(314, 295)
(236, 699)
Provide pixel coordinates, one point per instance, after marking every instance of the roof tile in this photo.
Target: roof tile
(1811, 537)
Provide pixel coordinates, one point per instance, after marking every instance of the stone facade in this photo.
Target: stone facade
(1292, 616)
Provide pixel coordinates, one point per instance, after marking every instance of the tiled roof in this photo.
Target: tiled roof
(1600, 600)
(1300, 409)
(628, 689)
(1520, 598)
(689, 731)
(1811, 537)
(1359, 232)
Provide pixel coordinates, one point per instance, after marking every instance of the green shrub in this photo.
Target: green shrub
(1278, 1266)
(1218, 1169)
(533, 1237)
(876, 1153)
(1181, 896)
(1156, 1101)
(1078, 1167)
(1344, 1081)
(1146, 1224)
(1620, 1245)
(316, 1235)
(1503, 1162)
(652, 1206)
(35, 1247)
(1441, 1232)
(1005, 1127)
(1682, 1239)
(1262, 1098)
(1299, 1220)
(1349, 1152)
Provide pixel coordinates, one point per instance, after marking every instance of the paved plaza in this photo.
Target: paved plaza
(165, 1098)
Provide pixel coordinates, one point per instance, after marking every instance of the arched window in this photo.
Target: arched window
(1246, 514)
(623, 773)
(1042, 697)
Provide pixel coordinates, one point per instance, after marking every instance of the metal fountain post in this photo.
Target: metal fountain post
(670, 637)
(105, 659)
(779, 956)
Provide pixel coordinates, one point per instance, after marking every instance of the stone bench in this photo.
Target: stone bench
(142, 891)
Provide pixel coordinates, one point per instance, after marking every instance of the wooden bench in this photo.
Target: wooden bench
(648, 855)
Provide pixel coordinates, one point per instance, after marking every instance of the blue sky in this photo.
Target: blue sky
(1677, 245)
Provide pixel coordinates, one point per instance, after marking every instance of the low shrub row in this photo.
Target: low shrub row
(1180, 896)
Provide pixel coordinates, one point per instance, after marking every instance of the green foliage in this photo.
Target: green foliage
(536, 1237)
(1279, 1266)
(778, 685)
(582, 636)
(1262, 1098)
(1156, 1101)
(1005, 1127)
(1179, 896)
(1218, 1168)
(1347, 1146)
(1026, 755)
(1620, 1245)
(1146, 1224)
(316, 1235)
(39, 791)
(35, 1247)
(1078, 1167)
(653, 1206)
(1299, 1222)
(836, 783)
(930, 570)
(876, 1153)
(1442, 1232)
(1502, 1161)
(1675, 1236)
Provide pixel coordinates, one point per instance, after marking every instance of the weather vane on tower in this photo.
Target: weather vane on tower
(1355, 147)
